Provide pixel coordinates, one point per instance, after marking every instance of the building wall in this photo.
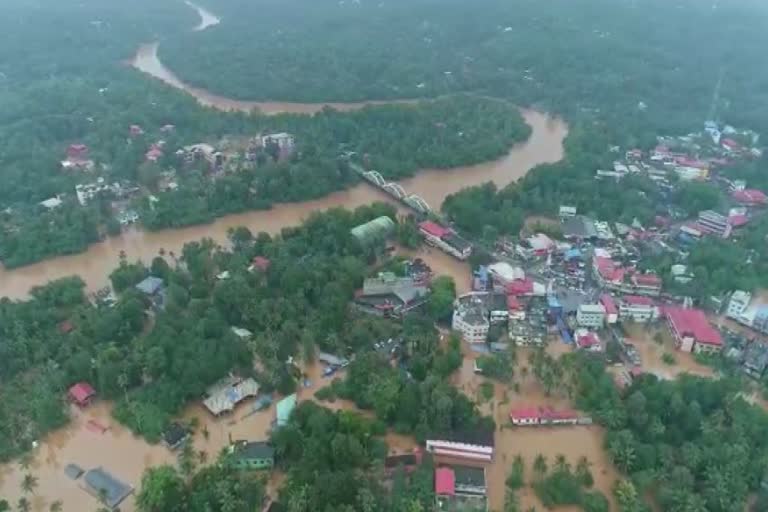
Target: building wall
(471, 333)
(702, 348)
(637, 313)
(589, 318)
(253, 464)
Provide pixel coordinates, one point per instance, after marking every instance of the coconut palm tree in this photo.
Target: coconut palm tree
(23, 505)
(540, 465)
(28, 484)
(25, 461)
(56, 506)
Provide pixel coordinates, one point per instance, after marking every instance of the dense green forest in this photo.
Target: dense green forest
(471, 130)
(691, 444)
(150, 374)
(213, 488)
(580, 58)
(334, 462)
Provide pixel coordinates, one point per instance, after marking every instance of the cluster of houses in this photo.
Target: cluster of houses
(502, 296)
(695, 156)
(78, 158)
(700, 157)
(581, 287)
(748, 311)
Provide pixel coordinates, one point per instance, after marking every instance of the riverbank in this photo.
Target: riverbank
(545, 145)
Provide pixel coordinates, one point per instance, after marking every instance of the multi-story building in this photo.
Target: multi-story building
(611, 311)
(471, 317)
(590, 315)
(503, 273)
(738, 304)
(692, 331)
(714, 223)
(635, 308)
(646, 284)
(615, 277)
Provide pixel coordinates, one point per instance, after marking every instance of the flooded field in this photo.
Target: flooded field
(573, 442)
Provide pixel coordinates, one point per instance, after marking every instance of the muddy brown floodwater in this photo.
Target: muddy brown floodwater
(127, 456)
(545, 145)
(573, 442)
(94, 265)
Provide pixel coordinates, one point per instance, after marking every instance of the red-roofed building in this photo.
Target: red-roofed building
(532, 416)
(738, 220)
(730, 145)
(429, 228)
(525, 416)
(589, 341)
(750, 197)
(613, 276)
(66, 327)
(692, 331)
(260, 263)
(608, 273)
(520, 287)
(611, 311)
(77, 152)
(646, 284)
(515, 308)
(154, 154)
(445, 239)
(690, 162)
(445, 482)
(81, 394)
(635, 308)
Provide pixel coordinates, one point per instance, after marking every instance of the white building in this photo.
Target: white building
(52, 203)
(738, 304)
(470, 317)
(634, 308)
(591, 315)
(283, 140)
(456, 450)
(567, 212)
(504, 273)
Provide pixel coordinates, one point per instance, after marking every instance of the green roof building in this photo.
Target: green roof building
(248, 456)
(376, 230)
(284, 409)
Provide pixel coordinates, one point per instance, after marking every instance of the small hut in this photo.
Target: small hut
(81, 394)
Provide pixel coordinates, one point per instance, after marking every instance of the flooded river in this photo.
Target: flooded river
(545, 145)
(94, 265)
(126, 456)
